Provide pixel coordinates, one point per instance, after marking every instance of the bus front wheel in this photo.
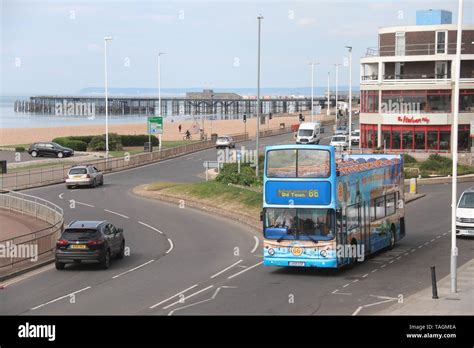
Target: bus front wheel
(392, 237)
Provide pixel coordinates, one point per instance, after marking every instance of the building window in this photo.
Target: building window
(432, 140)
(441, 70)
(396, 140)
(441, 41)
(407, 139)
(386, 139)
(416, 101)
(399, 70)
(400, 44)
(369, 101)
(466, 100)
(444, 139)
(420, 140)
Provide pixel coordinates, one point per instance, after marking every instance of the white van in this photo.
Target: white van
(465, 214)
(309, 133)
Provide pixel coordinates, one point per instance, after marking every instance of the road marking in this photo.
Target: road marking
(385, 297)
(187, 297)
(374, 270)
(432, 240)
(438, 237)
(171, 246)
(383, 266)
(169, 298)
(155, 229)
(346, 285)
(26, 276)
(355, 281)
(87, 205)
(445, 233)
(365, 275)
(421, 246)
(133, 269)
(113, 212)
(61, 195)
(391, 261)
(370, 305)
(413, 250)
(335, 291)
(398, 258)
(60, 298)
(225, 269)
(245, 270)
(427, 243)
(256, 244)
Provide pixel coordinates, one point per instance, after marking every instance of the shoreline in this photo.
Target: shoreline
(17, 136)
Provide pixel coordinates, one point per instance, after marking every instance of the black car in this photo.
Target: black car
(49, 149)
(90, 241)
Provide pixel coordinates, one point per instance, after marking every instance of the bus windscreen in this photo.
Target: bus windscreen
(298, 163)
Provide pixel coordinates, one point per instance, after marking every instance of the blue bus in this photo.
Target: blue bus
(319, 211)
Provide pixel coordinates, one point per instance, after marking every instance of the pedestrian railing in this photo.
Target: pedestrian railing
(30, 249)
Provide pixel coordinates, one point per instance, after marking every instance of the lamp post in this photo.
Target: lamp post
(337, 82)
(328, 111)
(454, 146)
(350, 96)
(107, 38)
(312, 88)
(260, 17)
(159, 97)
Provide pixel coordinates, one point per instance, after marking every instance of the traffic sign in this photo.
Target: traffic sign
(155, 125)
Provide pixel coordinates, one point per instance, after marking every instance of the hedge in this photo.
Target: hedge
(138, 140)
(77, 142)
(76, 145)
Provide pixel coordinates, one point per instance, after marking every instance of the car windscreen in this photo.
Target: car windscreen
(339, 139)
(222, 139)
(467, 200)
(79, 234)
(305, 132)
(78, 171)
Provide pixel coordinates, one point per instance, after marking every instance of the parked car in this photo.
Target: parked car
(309, 133)
(340, 142)
(355, 137)
(465, 214)
(87, 175)
(89, 241)
(49, 149)
(342, 130)
(225, 141)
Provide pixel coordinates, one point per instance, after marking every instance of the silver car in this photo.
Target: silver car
(225, 141)
(87, 175)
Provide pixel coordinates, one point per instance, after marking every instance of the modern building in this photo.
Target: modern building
(407, 86)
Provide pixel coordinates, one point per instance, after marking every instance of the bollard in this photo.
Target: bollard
(413, 186)
(433, 283)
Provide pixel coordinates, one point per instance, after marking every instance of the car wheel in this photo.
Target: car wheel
(60, 155)
(105, 262)
(34, 153)
(68, 187)
(59, 265)
(121, 253)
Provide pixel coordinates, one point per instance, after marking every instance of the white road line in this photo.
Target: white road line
(113, 212)
(438, 237)
(365, 275)
(155, 229)
(346, 285)
(133, 269)
(61, 195)
(391, 261)
(432, 240)
(370, 305)
(383, 266)
(225, 269)
(445, 233)
(171, 246)
(187, 297)
(413, 250)
(87, 205)
(335, 291)
(60, 298)
(355, 281)
(256, 244)
(169, 298)
(427, 243)
(245, 270)
(374, 270)
(343, 293)
(421, 246)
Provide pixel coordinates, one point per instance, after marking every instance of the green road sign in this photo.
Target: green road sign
(155, 125)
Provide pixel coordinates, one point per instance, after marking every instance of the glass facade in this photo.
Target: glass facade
(418, 101)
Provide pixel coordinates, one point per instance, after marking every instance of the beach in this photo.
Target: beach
(14, 136)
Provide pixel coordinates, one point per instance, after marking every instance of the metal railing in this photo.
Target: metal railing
(55, 174)
(412, 49)
(42, 242)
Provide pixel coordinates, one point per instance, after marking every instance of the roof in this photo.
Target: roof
(361, 163)
(85, 224)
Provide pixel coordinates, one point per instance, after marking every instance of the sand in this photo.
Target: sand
(13, 136)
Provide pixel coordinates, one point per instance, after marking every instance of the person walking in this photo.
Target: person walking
(179, 128)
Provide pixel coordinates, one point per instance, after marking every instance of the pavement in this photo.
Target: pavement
(185, 261)
(459, 303)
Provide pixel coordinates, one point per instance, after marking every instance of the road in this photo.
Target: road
(184, 261)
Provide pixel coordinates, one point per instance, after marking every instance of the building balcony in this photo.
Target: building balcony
(422, 49)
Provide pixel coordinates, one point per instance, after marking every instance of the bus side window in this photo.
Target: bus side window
(380, 207)
(372, 210)
(391, 204)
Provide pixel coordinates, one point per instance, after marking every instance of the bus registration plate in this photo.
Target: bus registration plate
(296, 263)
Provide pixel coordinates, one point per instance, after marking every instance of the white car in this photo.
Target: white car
(340, 142)
(86, 175)
(225, 141)
(342, 130)
(355, 137)
(465, 214)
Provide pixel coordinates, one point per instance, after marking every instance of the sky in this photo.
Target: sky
(57, 47)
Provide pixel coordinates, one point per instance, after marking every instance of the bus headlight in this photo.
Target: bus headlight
(271, 251)
(323, 253)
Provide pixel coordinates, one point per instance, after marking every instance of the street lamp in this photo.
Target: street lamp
(337, 82)
(328, 112)
(260, 17)
(350, 96)
(312, 88)
(454, 249)
(159, 97)
(107, 38)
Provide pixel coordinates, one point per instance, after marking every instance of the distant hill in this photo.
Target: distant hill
(318, 91)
